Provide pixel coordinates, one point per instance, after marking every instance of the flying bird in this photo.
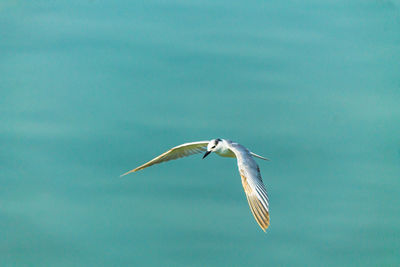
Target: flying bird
(248, 169)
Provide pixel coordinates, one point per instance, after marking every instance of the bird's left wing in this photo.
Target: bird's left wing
(255, 192)
(252, 184)
(177, 152)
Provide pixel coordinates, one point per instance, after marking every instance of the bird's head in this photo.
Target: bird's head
(213, 145)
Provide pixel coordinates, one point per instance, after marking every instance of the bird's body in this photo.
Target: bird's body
(249, 171)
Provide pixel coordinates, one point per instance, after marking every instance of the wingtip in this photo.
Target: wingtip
(265, 229)
(265, 226)
(127, 173)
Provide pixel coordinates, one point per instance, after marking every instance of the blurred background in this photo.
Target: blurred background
(92, 89)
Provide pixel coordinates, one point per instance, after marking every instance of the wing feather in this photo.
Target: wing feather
(253, 185)
(177, 152)
(257, 199)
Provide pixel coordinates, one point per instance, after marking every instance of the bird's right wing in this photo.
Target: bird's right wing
(177, 152)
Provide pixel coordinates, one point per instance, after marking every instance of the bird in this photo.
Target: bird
(249, 171)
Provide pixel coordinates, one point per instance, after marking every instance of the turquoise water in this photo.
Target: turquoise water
(91, 89)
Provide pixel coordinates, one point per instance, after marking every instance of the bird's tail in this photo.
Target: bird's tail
(258, 156)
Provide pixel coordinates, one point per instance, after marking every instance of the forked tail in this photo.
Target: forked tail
(258, 156)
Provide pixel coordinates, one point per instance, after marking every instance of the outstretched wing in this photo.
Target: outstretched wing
(177, 152)
(253, 185)
(256, 196)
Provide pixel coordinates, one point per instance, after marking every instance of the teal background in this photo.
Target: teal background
(91, 89)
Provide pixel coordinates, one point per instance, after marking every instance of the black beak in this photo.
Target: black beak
(206, 154)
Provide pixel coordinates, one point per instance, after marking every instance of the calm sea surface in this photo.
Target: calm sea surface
(91, 89)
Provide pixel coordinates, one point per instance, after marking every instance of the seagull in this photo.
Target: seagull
(248, 169)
